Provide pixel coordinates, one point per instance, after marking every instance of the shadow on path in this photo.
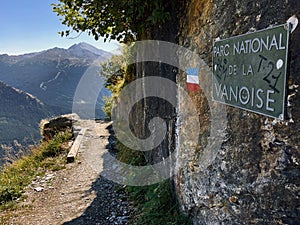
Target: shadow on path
(111, 204)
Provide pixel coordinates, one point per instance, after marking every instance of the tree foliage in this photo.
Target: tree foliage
(114, 72)
(122, 20)
(118, 71)
(118, 68)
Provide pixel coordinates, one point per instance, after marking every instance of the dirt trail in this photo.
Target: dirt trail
(77, 194)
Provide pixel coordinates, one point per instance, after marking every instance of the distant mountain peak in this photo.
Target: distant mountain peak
(87, 51)
(83, 47)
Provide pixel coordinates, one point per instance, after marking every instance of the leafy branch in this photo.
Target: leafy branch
(121, 20)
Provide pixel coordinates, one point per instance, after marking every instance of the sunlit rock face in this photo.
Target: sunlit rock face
(253, 177)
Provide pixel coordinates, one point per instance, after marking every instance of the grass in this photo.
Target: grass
(15, 177)
(155, 204)
(129, 156)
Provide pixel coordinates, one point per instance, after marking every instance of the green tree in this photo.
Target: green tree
(114, 72)
(122, 20)
(118, 72)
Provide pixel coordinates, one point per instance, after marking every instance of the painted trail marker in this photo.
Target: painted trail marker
(249, 71)
(192, 79)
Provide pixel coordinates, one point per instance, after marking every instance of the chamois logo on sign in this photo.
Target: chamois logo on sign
(249, 71)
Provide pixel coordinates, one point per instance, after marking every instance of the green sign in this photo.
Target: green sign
(249, 71)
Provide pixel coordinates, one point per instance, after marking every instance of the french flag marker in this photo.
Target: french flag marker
(192, 81)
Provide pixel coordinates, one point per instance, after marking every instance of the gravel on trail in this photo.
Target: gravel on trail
(77, 194)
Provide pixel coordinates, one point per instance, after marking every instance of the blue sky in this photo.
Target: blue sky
(31, 26)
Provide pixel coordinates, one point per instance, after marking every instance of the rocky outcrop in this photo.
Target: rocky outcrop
(58, 124)
(242, 167)
(253, 176)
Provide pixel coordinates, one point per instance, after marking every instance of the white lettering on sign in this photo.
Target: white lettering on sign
(222, 50)
(249, 71)
(258, 45)
(245, 96)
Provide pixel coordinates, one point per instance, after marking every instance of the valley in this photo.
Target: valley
(41, 85)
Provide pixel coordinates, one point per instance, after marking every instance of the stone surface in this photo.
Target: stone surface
(54, 125)
(39, 189)
(254, 177)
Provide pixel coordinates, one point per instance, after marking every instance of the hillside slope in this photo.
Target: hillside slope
(20, 116)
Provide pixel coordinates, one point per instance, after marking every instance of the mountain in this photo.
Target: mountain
(84, 50)
(20, 116)
(53, 75)
(43, 84)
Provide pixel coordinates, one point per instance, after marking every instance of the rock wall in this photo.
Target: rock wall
(253, 175)
(151, 107)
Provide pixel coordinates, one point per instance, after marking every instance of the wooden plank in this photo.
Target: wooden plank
(75, 147)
